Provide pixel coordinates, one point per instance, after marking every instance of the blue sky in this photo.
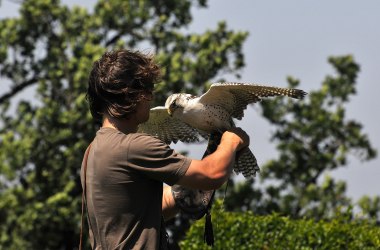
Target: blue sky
(295, 38)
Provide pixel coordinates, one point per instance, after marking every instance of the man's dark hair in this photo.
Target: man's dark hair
(117, 81)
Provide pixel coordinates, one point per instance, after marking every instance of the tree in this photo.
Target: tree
(313, 137)
(49, 49)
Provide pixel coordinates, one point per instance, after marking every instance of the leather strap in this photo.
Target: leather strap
(83, 194)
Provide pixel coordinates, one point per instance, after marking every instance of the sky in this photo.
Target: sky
(295, 38)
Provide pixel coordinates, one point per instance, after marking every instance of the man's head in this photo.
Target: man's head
(118, 81)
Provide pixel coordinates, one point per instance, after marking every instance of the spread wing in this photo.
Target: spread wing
(234, 97)
(168, 128)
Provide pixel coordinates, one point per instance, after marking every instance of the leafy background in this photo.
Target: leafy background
(295, 38)
(328, 49)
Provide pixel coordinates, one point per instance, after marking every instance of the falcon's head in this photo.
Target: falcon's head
(176, 102)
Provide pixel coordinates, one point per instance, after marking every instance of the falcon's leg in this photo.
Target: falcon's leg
(213, 142)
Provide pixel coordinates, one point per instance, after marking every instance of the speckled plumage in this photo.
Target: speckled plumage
(170, 129)
(192, 117)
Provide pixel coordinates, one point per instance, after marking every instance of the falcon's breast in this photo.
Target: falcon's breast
(205, 117)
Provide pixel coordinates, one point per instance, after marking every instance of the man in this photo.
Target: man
(125, 196)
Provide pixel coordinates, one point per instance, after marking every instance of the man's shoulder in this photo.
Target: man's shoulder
(146, 141)
(132, 142)
(113, 133)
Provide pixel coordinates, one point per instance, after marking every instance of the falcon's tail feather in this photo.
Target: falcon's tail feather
(246, 164)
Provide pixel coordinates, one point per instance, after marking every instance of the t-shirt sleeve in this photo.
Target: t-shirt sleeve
(155, 159)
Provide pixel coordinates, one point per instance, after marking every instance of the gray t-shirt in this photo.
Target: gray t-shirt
(124, 182)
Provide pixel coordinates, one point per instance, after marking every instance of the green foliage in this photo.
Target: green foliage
(370, 208)
(234, 230)
(313, 137)
(49, 48)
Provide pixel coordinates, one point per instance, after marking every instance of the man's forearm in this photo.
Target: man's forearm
(169, 210)
(221, 162)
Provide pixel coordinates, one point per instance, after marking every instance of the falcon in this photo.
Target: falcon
(189, 118)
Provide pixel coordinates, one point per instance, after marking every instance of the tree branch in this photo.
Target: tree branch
(16, 89)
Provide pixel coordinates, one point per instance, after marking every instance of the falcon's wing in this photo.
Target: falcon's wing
(168, 128)
(235, 97)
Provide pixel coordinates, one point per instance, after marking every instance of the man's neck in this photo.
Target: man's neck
(123, 125)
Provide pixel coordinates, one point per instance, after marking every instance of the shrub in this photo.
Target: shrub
(246, 231)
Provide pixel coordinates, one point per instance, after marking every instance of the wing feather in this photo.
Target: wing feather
(168, 128)
(235, 97)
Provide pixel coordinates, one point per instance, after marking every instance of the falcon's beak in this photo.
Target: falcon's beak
(172, 107)
(170, 111)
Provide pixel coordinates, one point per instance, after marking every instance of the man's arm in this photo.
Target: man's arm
(213, 171)
(209, 173)
(169, 210)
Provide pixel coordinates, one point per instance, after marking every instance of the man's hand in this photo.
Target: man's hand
(237, 136)
(213, 171)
